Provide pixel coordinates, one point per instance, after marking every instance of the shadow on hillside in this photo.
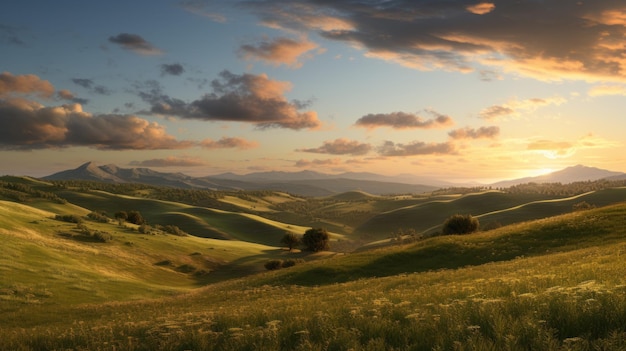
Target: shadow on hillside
(455, 252)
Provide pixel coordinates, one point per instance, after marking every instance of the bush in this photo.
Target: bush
(290, 263)
(103, 237)
(98, 217)
(172, 229)
(582, 206)
(135, 217)
(273, 264)
(69, 218)
(316, 239)
(144, 229)
(460, 224)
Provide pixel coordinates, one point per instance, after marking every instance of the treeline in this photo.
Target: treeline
(565, 190)
(556, 189)
(20, 192)
(194, 197)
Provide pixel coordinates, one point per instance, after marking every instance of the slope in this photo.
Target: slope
(551, 284)
(494, 208)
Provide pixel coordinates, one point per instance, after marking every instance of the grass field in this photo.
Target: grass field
(554, 284)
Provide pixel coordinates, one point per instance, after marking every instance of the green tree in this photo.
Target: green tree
(316, 239)
(290, 240)
(460, 224)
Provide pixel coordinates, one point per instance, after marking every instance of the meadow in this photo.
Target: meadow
(563, 289)
(556, 283)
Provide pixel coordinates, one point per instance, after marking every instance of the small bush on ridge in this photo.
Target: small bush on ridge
(460, 224)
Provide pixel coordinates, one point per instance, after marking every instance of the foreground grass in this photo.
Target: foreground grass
(565, 289)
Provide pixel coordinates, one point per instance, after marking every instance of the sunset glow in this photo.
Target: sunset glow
(449, 91)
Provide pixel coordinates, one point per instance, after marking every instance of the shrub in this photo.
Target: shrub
(135, 217)
(273, 264)
(144, 229)
(98, 217)
(460, 224)
(290, 263)
(172, 229)
(582, 206)
(316, 239)
(103, 237)
(69, 218)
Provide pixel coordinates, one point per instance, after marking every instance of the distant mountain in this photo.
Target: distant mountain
(304, 183)
(578, 173)
(312, 175)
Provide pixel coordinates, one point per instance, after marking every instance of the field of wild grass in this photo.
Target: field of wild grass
(563, 287)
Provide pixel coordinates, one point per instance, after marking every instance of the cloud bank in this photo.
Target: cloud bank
(402, 120)
(341, 147)
(246, 98)
(389, 148)
(546, 40)
(228, 143)
(280, 51)
(135, 43)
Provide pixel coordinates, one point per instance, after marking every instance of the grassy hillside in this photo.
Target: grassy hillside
(553, 284)
(491, 207)
(45, 259)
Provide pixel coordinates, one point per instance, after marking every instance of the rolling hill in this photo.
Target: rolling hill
(305, 183)
(555, 283)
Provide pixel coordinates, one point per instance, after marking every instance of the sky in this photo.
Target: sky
(453, 90)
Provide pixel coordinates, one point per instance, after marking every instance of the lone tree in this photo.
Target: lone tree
(290, 240)
(316, 239)
(460, 224)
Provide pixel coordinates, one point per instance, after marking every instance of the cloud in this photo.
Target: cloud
(24, 84)
(91, 86)
(228, 143)
(481, 8)
(65, 94)
(563, 149)
(135, 43)
(317, 163)
(174, 69)
(244, 98)
(603, 90)
(280, 51)
(27, 125)
(546, 40)
(515, 107)
(496, 111)
(389, 148)
(402, 120)
(341, 147)
(489, 75)
(553, 149)
(471, 133)
(170, 161)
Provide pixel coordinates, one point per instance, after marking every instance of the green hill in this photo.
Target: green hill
(552, 284)
(491, 207)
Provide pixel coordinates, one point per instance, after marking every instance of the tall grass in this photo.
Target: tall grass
(561, 296)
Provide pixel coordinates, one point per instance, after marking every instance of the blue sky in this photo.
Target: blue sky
(461, 90)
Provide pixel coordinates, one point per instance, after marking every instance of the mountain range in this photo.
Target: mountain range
(307, 183)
